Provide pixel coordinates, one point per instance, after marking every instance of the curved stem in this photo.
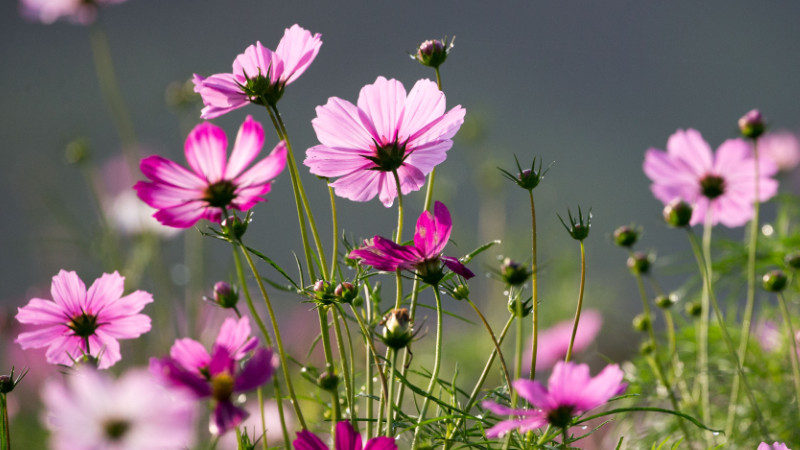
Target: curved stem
(494, 341)
(436, 364)
(535, 288)
(580, 303)
(787, 318)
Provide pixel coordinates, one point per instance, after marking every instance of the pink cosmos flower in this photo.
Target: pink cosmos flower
(346, 439)
(75, 319)
(769, 335)
(81, 12)
(554, 341)
(93, 411)
(220, 374)
(782, 147)
(722, 185)
(773, 446)
(259, 74)
(387, 131)
(571, 392)
(183, 197)
(423, 257)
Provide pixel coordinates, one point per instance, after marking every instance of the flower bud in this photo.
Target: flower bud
(328, 381)
(433, 53)
(666, 301)
(774, 280)
(639, 263)
(646, 347)
(225, 295)
(514, 273)
(694, 309)
(527, 179)
(8, 382)
(345, 292)
(641, 322)
(793, 260)
(752, 124)
(323, 292)
(626, 236)
(519, 307)
(397, 328)
(678, 213)
(460, 292)
(578, 228)
(234, 227)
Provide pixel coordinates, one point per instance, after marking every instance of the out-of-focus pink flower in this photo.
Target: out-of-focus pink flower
(92, 411)
(424, 257)
(215, 183)
(722, 185)
(220, 374)
(387, 131)
(782, 147)
(76, 318)
(768, 334)
(554, 341)
(571, 392)
(346, 439)
(773, 446)
(259, 75)
(81, 12)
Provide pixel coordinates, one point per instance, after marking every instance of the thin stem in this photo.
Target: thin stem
(580, 302)
(747, 318)
(494, 341)
(335, 226)
(5, 431)
(278, 341)
(726, 336)
(436, 364)
(374, 352)
(329, 367)
(260, 395)
(702, 339)
(389, 409)
(432, 175)
(348, 382)
(787, 318)
(535, 289)
(398, 239)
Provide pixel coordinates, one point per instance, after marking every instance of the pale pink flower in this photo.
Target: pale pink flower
(215, 182)
(346, 439)
(722, 185)
(81, 12)
(769, 335)
(259, 75)
(92, 411)
(782, 147)
(362, 145)
(424, 257)
(76, 318)
(773, 446)
(554, 341)
(571, 392)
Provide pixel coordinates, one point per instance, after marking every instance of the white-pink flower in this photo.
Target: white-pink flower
(215, 183)
(388, 131)
(782, 147)
(81, 12)
(721, 184)
(77, 318)
(92, 411)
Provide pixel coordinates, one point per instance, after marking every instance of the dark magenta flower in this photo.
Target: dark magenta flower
(216, 182)
(259, 74)
(220, 374)
(571, 392)
(387, 131)
(346, 439)
(424, 257)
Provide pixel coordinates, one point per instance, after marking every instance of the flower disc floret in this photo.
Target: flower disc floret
(388, 132)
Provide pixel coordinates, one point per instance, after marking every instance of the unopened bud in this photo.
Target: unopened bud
(646, 348)
(666, 301)
(639, 263)
(694, 309)
(626, 236)
(433, 53)
(752, 124)
(397, 328)
(520, 308)
(225, 295)
(328, 381)
(460, 292)
(234, 227)
(793, 260)
(346, 292)
(774, 280)
(514, 273)
(641, 322)
(678, 213)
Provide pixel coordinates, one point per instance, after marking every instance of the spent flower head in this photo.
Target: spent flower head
(527, 179)
(578, 228)
(434, 52)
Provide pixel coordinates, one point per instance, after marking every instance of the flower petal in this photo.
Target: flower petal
(205, 151)
(249, 141)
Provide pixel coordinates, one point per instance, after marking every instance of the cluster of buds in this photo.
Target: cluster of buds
(433, 53)
(326, 293)
(398, 328)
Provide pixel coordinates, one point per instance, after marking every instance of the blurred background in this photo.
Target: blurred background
(586, 86)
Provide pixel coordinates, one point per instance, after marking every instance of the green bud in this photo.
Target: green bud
(460, 292)
(678, 213)
(520, 308)
(641, 322)
(646, 347)
(752, 124)
(235, 227)
(666, 301)
(397, 328)
(514, 273)
(577, 228)
(694, 309)
(774, 280)
(225, 295)
(328, 381)
(626, 236)
(345, 292)
(433, 53)
(639, 263)
(793, 260)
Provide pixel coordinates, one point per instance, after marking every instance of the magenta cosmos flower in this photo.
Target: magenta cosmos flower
(722, 185)
(92, 411)
(81, 12)
(346, 439)
(259, 75)
(215, 183)
(220, 374)
(571, 391)
(423, 257)
(773, 446)
(387, 131)
(553, 342)
(78, 322)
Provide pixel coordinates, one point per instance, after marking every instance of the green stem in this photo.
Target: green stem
(348, 382)
(787, 318)
(535, 289)
(702, 339)
(335, 226)
(5, 430)
(432, 175)
(329, 367)
(436, 364)
(747, 318)
(398, 239)
(260, 395)
(726, 336)
(580, 302)
(389, 409)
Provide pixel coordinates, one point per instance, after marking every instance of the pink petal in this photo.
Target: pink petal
(338, 125)
(425, 104)
(69, 292)
(297, 50)
(42, 312)
(359, 186)
(266, 169)
(440, 128)
(535, 393)
(381, 443)
(162, 170)
(330, 162)
(381, 106)
(346, 437)
(106, 347)
(307, 440)
(690, 147)
(128, 327)
(249, 141)
(42, 337)
(190, 354)
(185, 215)
(235, 336)
(256, 60)
(205, 151)
(105, 290)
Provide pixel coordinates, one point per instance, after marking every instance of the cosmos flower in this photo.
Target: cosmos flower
(93, 411)
(722, 185)
(346, 439)
(259, 75)
(571, 392)
(424, 256)
(80, 12)
(362, 145)
(76, 318)
(782, 147)
(214, 183)
(554, 341)
(773, 446)
(220, 374)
